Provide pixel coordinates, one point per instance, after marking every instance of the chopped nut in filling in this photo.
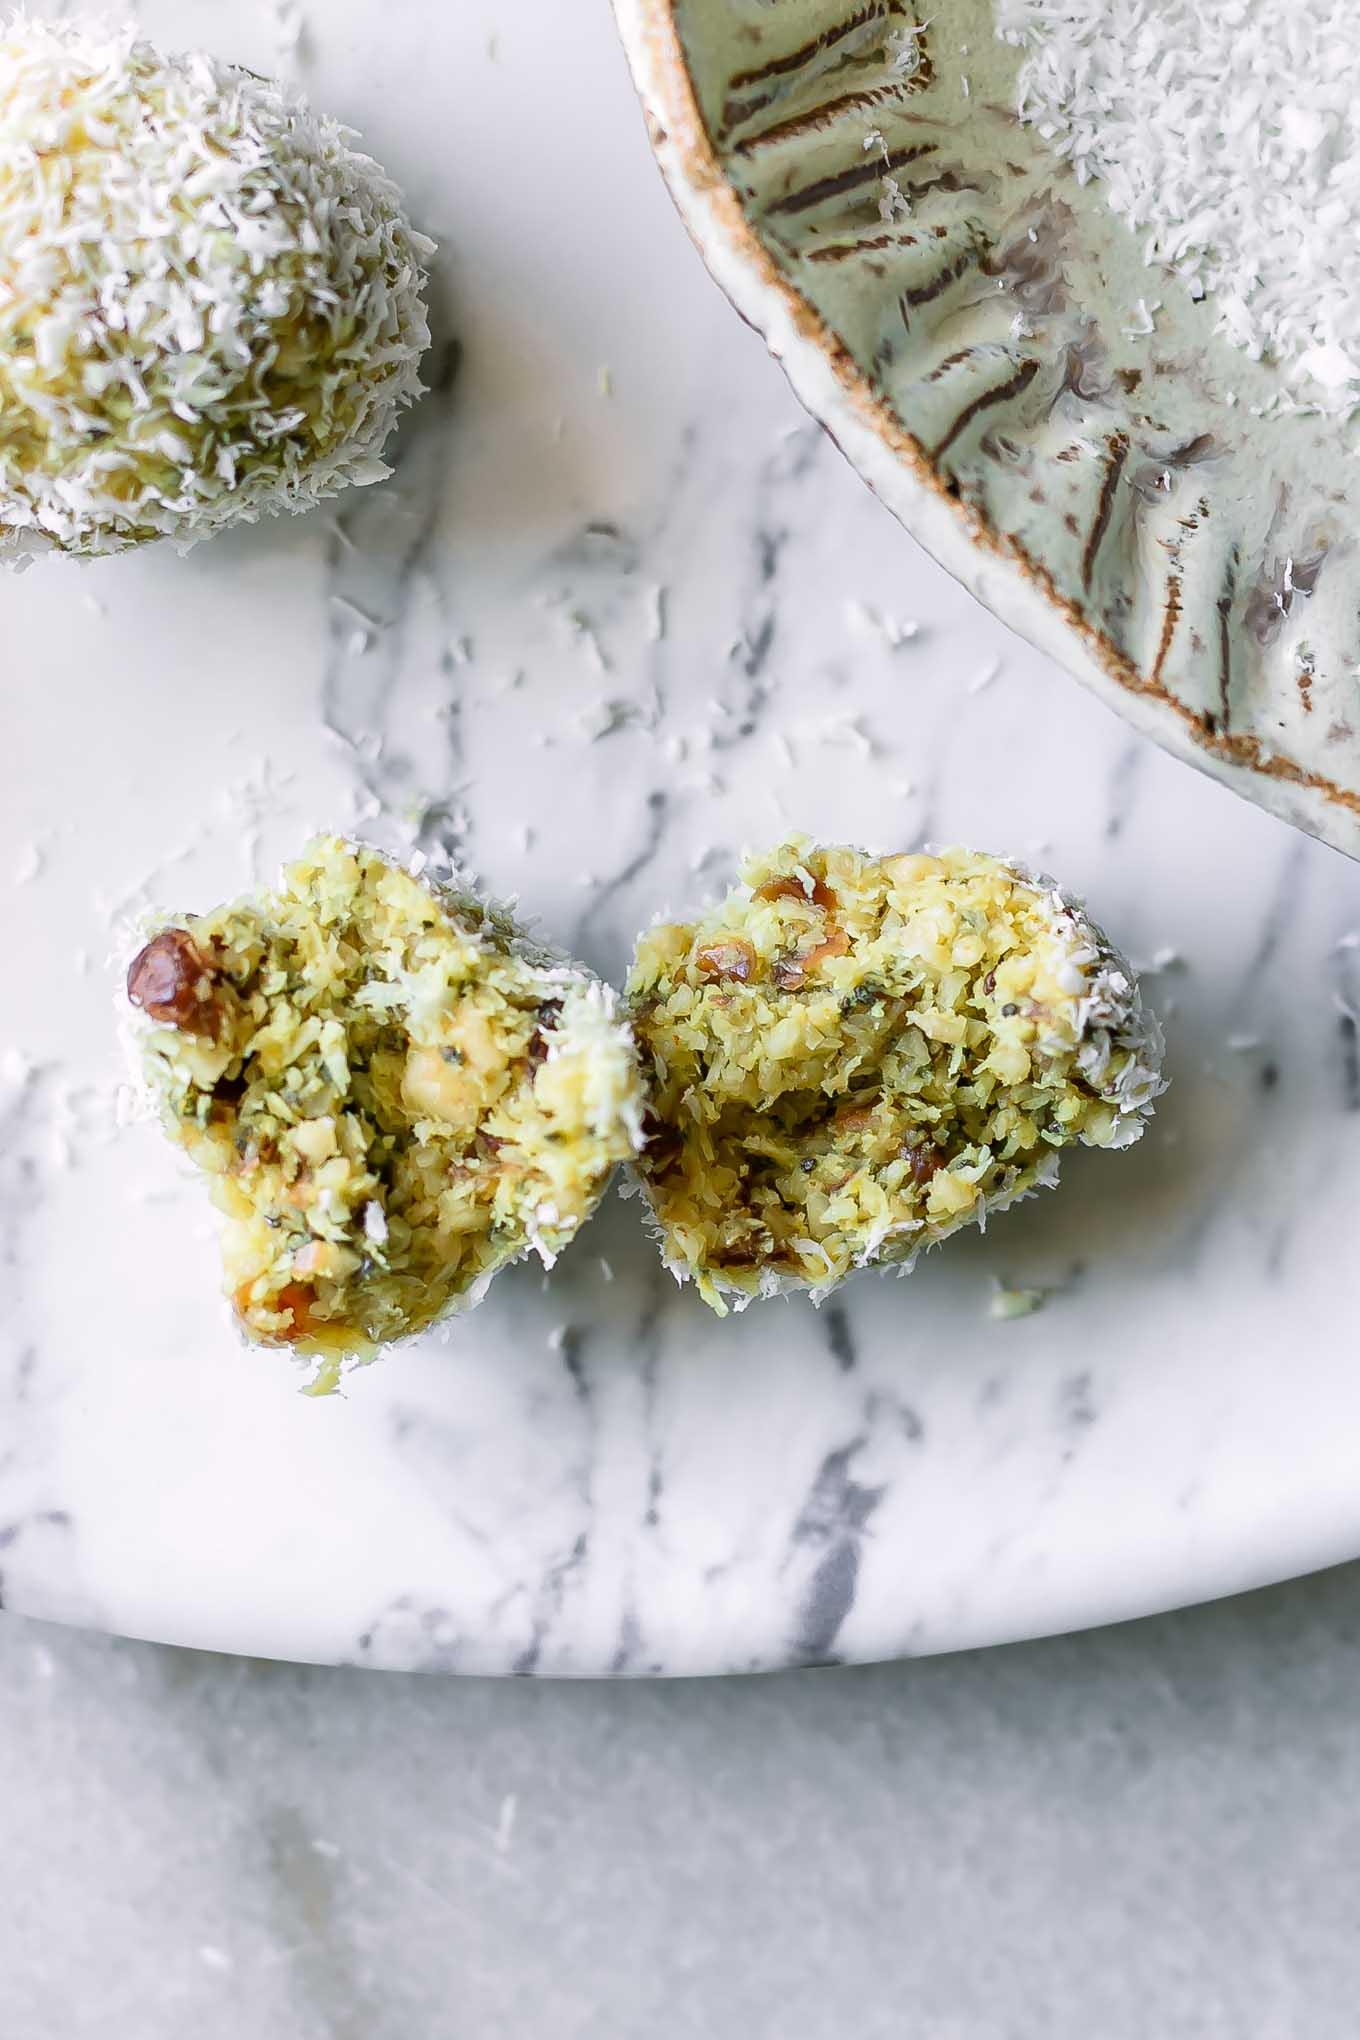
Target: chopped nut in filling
(853, 1056)
(391, 1092)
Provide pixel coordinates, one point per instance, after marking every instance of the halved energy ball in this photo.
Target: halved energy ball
(853, 1056)
(392, 1093)
(210, 299)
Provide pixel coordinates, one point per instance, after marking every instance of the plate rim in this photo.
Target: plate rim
(992, 565)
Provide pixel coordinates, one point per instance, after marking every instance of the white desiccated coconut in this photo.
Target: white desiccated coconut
(1227, 134)
(210, 300)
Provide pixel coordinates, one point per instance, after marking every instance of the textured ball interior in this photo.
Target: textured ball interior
(210, 300)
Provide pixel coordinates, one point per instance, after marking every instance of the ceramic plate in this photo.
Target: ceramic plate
(623, 609)
(972, 325)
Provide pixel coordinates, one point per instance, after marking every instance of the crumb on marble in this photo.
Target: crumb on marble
(1007, 1302)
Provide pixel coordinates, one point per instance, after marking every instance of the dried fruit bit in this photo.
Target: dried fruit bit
(819, 894)
(172, 981)
(923, 1161)
(295, 1300)
(734, 959)
(407, 1097)
(791, 973)
(883, 1079)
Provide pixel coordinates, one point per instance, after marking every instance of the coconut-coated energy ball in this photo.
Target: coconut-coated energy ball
(210, 300)
(392, 1092)
(850, 1057)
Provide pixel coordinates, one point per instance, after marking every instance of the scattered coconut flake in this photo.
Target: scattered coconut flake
(286, 21)
(584, 631)
(1144, 325)
(895, 631)
(894, 203)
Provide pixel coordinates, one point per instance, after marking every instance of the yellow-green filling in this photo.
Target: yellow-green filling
(852, 1056)
(392, 1097)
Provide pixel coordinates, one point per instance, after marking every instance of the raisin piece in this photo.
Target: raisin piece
(791, 973)
(736, 1256)
(227, 1094)
(734, 958)
(297, 1299)
(925, 1161)
(172, 981)
(835, 943)
(662, 1148)
(792, 889)
(549, 1014)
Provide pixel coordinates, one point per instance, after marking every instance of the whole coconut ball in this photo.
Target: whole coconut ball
(210, 300)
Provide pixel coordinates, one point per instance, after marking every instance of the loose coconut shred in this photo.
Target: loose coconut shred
(210, 301)
(1227, 134)
(851, 1057)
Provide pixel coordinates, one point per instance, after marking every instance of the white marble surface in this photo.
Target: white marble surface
(594, 1475)
(1143, 1831)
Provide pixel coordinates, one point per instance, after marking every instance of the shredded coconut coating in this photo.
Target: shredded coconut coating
(851, 1057)
(391, 1092)
(1227, 134)
(210, 300)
